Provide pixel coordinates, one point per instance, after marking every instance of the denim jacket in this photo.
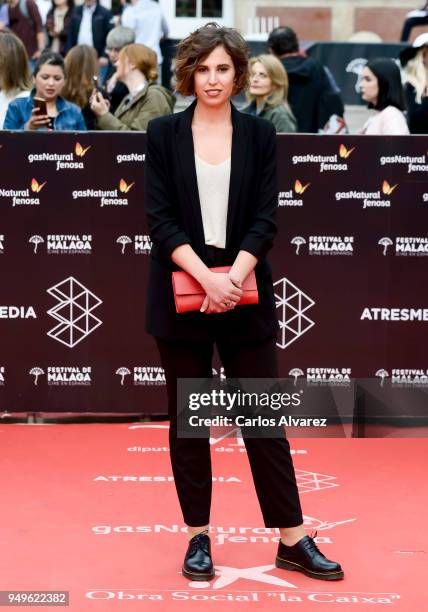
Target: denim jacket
(69, 116)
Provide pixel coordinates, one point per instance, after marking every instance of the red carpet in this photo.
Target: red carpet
(92, 509)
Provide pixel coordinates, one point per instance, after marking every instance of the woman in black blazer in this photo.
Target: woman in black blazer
(211, 199)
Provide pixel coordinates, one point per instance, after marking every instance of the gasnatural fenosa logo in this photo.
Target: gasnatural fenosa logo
(370, 199)
(23, 197)
(287, 198)
(2, 373)
(327, 163)
(1, 244)
(63, 161)
(109, 197)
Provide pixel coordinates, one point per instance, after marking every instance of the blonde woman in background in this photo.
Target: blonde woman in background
(137, 68)
(15, 78)
(81, 66)
(415, 79)
(268, 93)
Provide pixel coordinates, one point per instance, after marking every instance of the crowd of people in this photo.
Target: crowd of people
(95, 75)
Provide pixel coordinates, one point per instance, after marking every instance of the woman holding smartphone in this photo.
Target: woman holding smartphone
(211, 199)
(44, 108)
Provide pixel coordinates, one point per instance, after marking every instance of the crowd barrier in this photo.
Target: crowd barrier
(349, 267)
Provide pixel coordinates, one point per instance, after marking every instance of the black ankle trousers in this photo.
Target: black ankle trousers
(270, 459)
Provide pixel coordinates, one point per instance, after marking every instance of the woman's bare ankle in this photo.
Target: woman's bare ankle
(192, 531)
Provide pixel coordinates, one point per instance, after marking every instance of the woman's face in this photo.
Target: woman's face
(214, 78)
(113, 53)
(60, 3)
(49, 82)
(369, 86)
(260, 82)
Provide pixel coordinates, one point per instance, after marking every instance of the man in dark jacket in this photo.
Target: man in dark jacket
(311, 95)
(89, 25)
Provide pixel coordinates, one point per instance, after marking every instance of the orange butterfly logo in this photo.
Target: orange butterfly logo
(124, 187)
(387, 189)
(299, 188)
(36, 187)
(80, 151)
(344, 153)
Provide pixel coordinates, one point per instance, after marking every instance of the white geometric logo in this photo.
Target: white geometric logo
(74, 312)
(293, 303)
(313, 481)
(228, 575)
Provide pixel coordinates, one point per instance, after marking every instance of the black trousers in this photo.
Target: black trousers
(270, 459)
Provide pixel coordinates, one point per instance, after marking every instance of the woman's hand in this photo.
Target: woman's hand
(99, 105)
(221, 292)
(37, 121)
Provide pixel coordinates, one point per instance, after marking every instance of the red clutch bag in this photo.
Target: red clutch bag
(189, 294)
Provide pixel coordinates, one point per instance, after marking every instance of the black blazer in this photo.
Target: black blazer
(101, 26)
(174, 218)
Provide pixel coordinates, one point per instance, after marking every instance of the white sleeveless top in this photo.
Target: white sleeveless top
(213, 187)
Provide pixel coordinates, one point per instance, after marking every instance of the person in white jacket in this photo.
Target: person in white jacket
(381, 88)
(145, 17)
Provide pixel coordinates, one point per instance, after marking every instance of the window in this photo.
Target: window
(212, 8)
(185, 8)
(199, 8)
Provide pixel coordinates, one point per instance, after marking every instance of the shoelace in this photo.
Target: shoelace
(198, 542)
(310, 544)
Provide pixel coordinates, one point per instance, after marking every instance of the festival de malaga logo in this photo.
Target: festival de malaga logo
(405, 246)
(142, 375)
(142, 243)
(63, 244)
(324, 245)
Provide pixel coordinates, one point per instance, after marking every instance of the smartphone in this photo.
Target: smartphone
(40, 103)
(96, 84)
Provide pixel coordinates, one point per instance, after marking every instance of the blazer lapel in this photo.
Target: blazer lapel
(237, 170)
(186, 157)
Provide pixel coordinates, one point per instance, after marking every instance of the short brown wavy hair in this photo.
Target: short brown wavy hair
(199, 44)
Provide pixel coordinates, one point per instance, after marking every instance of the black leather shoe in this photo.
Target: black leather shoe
(198, 564)
(306, 557)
